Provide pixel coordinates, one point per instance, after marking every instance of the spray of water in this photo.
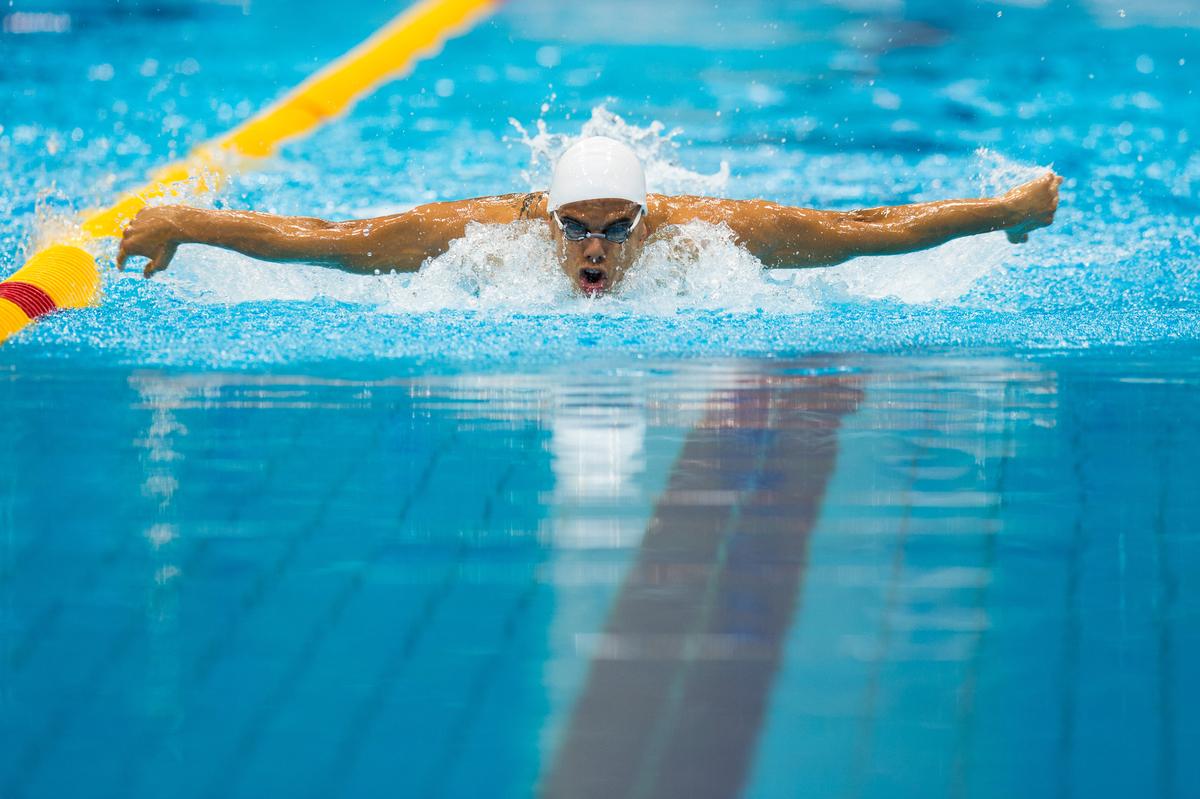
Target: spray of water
(492, 267)
(654, 145)
(693, 266)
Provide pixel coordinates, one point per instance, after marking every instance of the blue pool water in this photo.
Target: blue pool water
(913, 526)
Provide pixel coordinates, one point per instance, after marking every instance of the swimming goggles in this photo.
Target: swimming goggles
(617, 233)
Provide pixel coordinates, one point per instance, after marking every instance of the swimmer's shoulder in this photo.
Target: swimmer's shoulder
(498, 209)
(738, 214)
(679, 209)
(503, 209)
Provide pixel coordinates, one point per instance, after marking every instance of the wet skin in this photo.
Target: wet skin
(780, 236)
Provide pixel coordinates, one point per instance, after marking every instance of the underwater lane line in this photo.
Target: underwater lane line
(697, 630)
(67, 271)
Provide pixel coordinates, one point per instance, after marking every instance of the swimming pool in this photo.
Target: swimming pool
(922, 525)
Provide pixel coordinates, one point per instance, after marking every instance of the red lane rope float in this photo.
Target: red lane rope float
(61, 276)
(32, 300)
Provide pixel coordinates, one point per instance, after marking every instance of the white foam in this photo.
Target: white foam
(699, 265)
(211, 276)
(493, 266)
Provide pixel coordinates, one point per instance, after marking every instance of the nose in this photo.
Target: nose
(594, 251)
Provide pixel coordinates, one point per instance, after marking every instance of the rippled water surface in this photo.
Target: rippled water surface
(812, 104)
(913, 526)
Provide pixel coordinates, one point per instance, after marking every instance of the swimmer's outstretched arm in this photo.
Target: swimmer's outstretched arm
(782, 236)
(400, 242)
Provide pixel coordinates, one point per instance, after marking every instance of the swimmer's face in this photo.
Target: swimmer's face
(597, 265)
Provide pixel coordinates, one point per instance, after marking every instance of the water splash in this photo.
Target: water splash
(654, 145)
(210, 276)
(997, 174)
(491, 267)
(700, 266)
(693, 266)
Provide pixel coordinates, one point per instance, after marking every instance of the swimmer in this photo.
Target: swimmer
(599, 216)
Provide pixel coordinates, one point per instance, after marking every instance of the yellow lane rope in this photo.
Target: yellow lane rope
(65, 275)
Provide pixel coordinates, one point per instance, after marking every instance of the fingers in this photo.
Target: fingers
(1037, 203)
(160, 261)
(1031, 187)
(143, 238)
(129, 237)
(1050, 180)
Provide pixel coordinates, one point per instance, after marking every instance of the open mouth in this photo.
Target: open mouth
(592, 281)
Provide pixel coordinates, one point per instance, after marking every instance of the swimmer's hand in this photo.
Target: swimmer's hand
(155, 233)
(1033, 205)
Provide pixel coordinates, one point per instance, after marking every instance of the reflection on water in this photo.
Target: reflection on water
(680, 675)
(863, 576)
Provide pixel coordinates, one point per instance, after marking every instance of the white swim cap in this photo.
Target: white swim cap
(597, 168)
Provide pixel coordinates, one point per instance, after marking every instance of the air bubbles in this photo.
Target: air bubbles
(882, 98)
(1145, 101)
(100, 72)
(1144, 64)
(548, 56)
(764, 95)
